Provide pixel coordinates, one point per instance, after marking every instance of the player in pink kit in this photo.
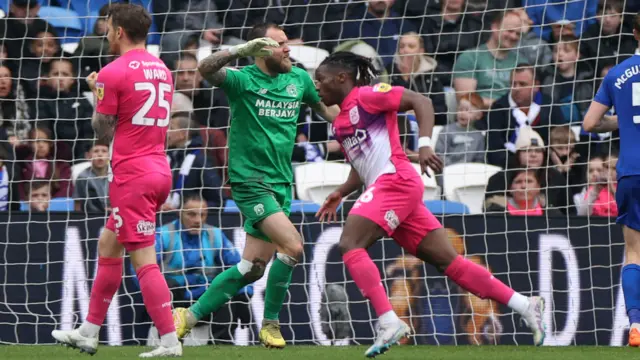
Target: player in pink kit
(134, 95)
(367, 129)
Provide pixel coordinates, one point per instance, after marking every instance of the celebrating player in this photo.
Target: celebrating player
(367, 129)
(265, 101)
(134, 95)
(620, 89)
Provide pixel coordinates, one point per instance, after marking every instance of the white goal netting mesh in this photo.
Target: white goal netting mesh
(536, 207)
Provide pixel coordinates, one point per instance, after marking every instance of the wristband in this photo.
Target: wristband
(424, 141)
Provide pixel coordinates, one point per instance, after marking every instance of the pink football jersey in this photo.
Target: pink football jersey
(367, 130)
(137, 88)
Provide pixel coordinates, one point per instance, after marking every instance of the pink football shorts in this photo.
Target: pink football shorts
(134, 206)
(394, 202)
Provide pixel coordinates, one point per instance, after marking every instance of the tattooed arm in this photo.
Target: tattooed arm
(596, 121)
(104, 126)
(212, 67)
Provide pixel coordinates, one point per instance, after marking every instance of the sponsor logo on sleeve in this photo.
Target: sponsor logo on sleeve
(354, 115)
(100, 90)
(382, 88)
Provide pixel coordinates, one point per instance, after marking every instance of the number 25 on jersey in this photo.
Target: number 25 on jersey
(155, 96)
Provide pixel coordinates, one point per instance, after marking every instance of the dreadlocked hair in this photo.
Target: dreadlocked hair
(362, 70)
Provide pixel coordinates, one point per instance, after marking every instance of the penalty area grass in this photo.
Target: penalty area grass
(53, 352)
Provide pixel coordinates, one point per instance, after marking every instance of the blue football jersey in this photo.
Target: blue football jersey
(620, 89)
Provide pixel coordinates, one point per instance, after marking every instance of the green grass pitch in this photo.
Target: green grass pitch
(18, 352)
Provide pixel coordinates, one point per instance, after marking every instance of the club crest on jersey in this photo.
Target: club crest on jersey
(134, 64)
(354, 115)
(292, 90)
(382, 87)
(100, 90)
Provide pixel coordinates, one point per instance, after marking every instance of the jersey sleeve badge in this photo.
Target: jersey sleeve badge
(100, 90)
(382, 88)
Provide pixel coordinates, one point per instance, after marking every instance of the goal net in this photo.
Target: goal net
(525, 191)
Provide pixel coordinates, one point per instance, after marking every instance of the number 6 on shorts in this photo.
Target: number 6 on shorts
(366, 196)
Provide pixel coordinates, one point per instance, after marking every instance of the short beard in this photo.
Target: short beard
(278, 67)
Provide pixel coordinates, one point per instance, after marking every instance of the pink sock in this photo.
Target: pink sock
(478, 280)
(105, 286)
(367, 277)
(157, 298)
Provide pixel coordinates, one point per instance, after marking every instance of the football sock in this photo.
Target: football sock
(157, 301)
(479, 281)
(105, 286)
(278, 285)
(367, 277)
(631, 291)
(223, 287)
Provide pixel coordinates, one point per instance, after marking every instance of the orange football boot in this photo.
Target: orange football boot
(634, 337)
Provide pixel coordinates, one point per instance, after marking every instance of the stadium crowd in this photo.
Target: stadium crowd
(509, 81)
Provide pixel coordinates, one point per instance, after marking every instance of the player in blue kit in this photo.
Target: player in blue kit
(620, 89)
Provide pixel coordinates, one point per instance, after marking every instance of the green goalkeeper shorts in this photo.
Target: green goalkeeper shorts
(257, 201)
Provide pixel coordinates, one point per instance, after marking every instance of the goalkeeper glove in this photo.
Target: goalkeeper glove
(255, 47)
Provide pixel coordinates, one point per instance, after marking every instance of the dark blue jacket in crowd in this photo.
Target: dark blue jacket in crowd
(381, 35)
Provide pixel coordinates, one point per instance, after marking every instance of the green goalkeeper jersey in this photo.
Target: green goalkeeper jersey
(264, 116)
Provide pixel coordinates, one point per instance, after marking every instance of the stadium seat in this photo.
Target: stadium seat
(445, 207)
(231, 207)
(431, 188)
(66, 22)
(576, 129)
(434, 134)
(304, 206)
(309, 57)
(78, 168)
(70, 47)
(315, 181)
(56, 204)
(154, 50)
(467, 182)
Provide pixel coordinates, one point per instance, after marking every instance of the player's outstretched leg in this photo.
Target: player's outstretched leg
(226, 285)
(358, 234)
(631, 282)
(157, 301)
(105, 286)
(436, 249)
(279, 229)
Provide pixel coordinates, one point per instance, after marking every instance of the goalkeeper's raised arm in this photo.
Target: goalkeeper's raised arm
(212, 67)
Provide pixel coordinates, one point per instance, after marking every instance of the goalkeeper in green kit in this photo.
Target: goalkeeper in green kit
(264, 100)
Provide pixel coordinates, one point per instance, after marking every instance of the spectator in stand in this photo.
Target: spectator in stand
(21, 23)
(39, 196)
(93, 50)
(210, 104)
(532, 49)
(565, 158)
(319, 21)
(191, 254)
(192, 22)
(414, 70)
(570, 84)
(6, 183)
(446, 33)
(523, 106)
(461, 142)
(546, 12)
(609, 40)
(38, 162)
(375, 23)
(193, 170)
(15, 110)
(595, 172)
(487, 68)
(530, 155)
(600, 199)
(91, 189)
(61, 103)
(525, 196)
(37, 60)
